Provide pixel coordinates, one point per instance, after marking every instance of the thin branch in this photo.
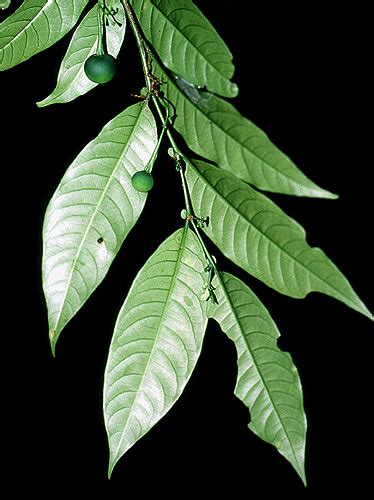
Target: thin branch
(140, 42)
(165, 121)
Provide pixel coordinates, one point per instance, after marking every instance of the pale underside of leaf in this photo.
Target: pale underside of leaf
(260, 238)
(156, 342)
(92, 211)
(268, 382)
(35, 26)
(187, 43)
(72, 81)
(214, 129)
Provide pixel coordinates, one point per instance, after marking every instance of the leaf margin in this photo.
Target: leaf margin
(222, 279)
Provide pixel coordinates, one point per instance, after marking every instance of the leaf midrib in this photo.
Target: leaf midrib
(237, 320)
(159, 329)
(110, 178)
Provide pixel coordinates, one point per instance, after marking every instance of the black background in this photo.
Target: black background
(303, 78)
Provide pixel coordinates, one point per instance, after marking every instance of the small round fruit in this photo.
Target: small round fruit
(100, 69)
(142, 181)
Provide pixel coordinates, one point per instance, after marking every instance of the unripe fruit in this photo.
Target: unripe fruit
(142, 181)
(100, 69)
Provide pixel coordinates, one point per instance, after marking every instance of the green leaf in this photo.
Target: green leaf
(260, 238)
(156, 343)
(92, 211)
(214, 129)
(187, 43)
(268, 382)
(35, 26)
(72, 80)
(4, 4)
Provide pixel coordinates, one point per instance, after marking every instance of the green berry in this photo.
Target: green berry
(142, 181)
(100, 69)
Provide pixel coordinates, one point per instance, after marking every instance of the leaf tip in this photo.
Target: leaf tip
(361, 308)
(313, 190)
(332, 196)
(296, 461)
(53, 340)
(327, 195)
(42, 104)
(303, 477)
(302, 474)
(112, 464)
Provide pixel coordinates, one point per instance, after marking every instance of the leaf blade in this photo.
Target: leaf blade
(198, 52)
(92, 211)
(35, 26)
(215, 130)
(72, 81)
(268, 382)
(156, 342)
(259, 237)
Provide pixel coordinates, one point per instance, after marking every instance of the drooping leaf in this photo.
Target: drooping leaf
(214, 129)
(260, 238)
(268, 382)
(92, 211)
(72, 80)
(35, 26)
(156, 343)
(187, 43)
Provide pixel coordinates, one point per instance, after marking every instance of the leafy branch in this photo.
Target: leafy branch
(160, 328)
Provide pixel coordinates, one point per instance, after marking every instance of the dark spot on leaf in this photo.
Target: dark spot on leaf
(100, 240)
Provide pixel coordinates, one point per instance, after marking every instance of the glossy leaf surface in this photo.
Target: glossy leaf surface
(156, 343)
(35, 26)
(92, 211)
(214, 129)
(187, 43)
(260, 238)
(268, 382)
